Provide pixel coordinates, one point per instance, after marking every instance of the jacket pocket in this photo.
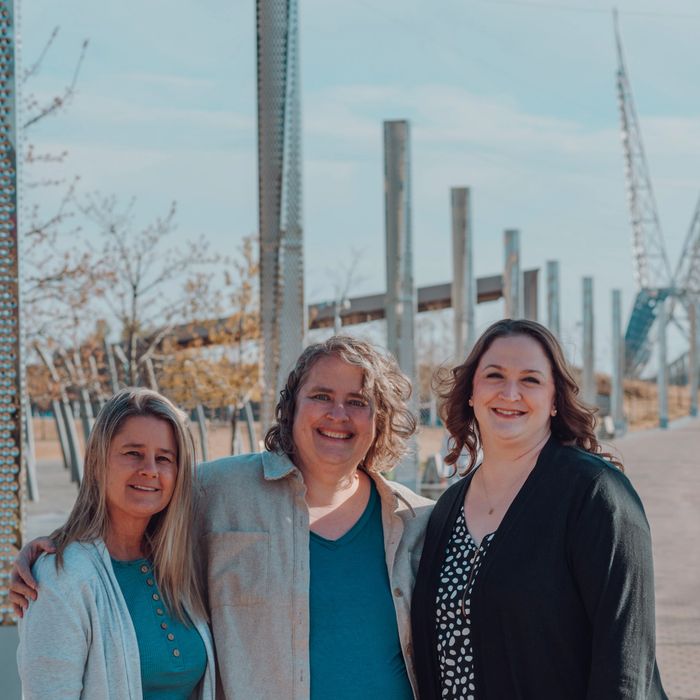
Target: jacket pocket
(238, 569)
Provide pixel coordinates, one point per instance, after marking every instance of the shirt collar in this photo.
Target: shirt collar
(276, 465)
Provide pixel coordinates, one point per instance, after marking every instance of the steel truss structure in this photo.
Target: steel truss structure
(652, 271)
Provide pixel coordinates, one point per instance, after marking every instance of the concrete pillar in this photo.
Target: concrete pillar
(512, 279)
(588, 384)
(693, 354)
(617, 409)
(530, 294)
(553, 296)
(400, 302)
(463, 280)
(662, 372)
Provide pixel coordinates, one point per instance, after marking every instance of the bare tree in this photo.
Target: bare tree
(59, 279)
(149, 277)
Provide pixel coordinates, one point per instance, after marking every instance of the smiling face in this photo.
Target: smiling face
(513, 393)
(334, 423)
(141, 469)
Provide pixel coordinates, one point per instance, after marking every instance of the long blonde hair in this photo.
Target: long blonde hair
(168, 534)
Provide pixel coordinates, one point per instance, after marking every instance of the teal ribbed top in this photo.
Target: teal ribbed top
(173, 657)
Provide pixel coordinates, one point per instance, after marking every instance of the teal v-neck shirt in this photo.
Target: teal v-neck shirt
(173, 656)
(355, 649)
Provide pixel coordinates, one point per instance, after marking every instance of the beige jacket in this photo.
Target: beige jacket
(254, 529)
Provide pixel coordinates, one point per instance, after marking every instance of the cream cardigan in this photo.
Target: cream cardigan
(76, 639)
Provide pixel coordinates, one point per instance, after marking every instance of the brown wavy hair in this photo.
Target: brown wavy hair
(574, 423)
(385, 387)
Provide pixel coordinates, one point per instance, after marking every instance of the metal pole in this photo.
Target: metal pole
(61, 432)
(12, 440)
(400, 303)
(512, 279)
(693, 354)
(282, 308)
(589, 388)
(202, 425)
(617, 409)
(112, 366)
(530, 294)
(553, 296)
(66, 415)
(662, 378)
(32, 483)
(250, 424)
(463, 280)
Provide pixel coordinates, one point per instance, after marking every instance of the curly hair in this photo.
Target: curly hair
(385, 386)
(573, 424)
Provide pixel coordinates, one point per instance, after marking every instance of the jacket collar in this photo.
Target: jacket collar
(276, 465)
(387, 491)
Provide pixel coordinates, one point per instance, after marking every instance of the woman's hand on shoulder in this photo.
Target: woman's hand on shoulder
(23, 586)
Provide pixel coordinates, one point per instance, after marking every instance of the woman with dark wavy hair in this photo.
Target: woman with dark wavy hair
(536, 578)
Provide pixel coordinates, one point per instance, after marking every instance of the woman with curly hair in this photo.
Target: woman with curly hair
(536, 578)
(308, 553)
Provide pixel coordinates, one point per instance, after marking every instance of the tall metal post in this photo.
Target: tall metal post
(11, 409)
(400, 303)
(553, 296)
(512, 279)
(530, 294)
(282, 308)
(589, 388)
(694, 354)
(617, 409)
(463, 280)
(662, 372)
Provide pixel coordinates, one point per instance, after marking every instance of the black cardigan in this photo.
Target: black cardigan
(563, 606)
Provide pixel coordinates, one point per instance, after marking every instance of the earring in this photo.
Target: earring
(554, 412)
(471, 402)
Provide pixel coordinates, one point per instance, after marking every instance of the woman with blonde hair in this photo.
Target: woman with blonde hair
(121, 612)
(536, 578)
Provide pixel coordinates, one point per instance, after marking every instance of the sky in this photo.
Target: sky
(512, 98)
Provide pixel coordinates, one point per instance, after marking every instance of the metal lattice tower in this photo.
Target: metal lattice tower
(687, 275)
(651, 266)
(11, 431)
(653, 276)
(282, 308)
(652, 272)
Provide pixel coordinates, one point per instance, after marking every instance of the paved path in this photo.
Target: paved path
(664, 466)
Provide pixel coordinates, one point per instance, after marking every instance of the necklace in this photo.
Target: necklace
(492, 506)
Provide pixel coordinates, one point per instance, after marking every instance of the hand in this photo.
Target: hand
(23, 587)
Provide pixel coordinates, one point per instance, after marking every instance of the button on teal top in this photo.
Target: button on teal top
(355, 649)
(173, 657)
